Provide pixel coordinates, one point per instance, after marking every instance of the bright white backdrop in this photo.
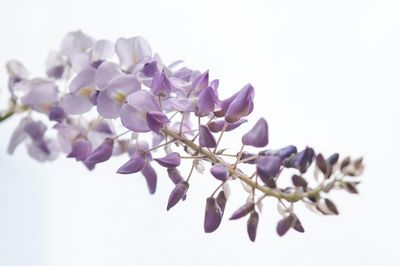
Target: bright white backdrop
(326, 74)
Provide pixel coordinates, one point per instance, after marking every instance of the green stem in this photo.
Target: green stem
(291, 197)
(6, 115)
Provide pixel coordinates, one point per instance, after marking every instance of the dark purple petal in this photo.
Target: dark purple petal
(217, 125)
(298, 226)
(252, 224)
(101, 153)
(285, 224)
(221, 201)
(156, 121)
(242, 211)
(213, 216)
(135, 164)
(301, 160)
(171, 160)
(331, 206)
(149, 69)
(80, 150)
(206, 139)
(299, 181)
(333, 159)
(268, 167)
(321, 163)
(219, 172)
(57, 114)
(177, 194)
(151, 177)
(174, 175)
(258, 135)
(283, 153)
(242, 105)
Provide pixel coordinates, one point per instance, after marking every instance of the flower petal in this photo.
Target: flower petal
(258, 135)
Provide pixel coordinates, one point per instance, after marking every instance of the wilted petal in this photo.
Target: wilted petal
(101, 153)
(252, 224)
(80, 150)
(242, 211)
(151, 177)
(177, 194)
(171, 160)
(131, 51)
(219, 172)
(258, 135)
(135, 164)
(213, 216)
(206, 139)
(241, 105)
(217, 125)
(268, 167)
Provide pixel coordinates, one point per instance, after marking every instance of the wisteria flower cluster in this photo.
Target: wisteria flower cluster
(166, 115)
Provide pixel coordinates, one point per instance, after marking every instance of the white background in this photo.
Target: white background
(326, 74)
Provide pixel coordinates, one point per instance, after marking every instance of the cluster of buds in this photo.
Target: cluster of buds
(161, 115)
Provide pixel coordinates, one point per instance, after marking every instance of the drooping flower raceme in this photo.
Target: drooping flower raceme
(162, 117)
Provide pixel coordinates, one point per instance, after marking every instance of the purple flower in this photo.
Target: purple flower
(219, 172)
(134, 113)
(113, 96)
(40, 94)
(101, 153)
(206, 139)
(56, 113)
(174, 175)
(171, 160)
(82, 89)
(242, 211)
(258, 135)
(301, 160)
(238, 105)
(156, 121)
(207, 101)
(285, 224)
(177, 194)
(161, 86)
(135, 164)
(213, 215)
(268, 167)
(80, 150)
(252, 224)
(132, 51)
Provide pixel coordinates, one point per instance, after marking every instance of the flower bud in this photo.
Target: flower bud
(241, 105)
(258, 135)
(242, 211)
(219, 172)
(177, 194)
(285, 224)
(57, 114)
(221, 200)
(217, 125)
(213, 215)
(206, 139)
(151, 177)
(80, 150)
(252, 224)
